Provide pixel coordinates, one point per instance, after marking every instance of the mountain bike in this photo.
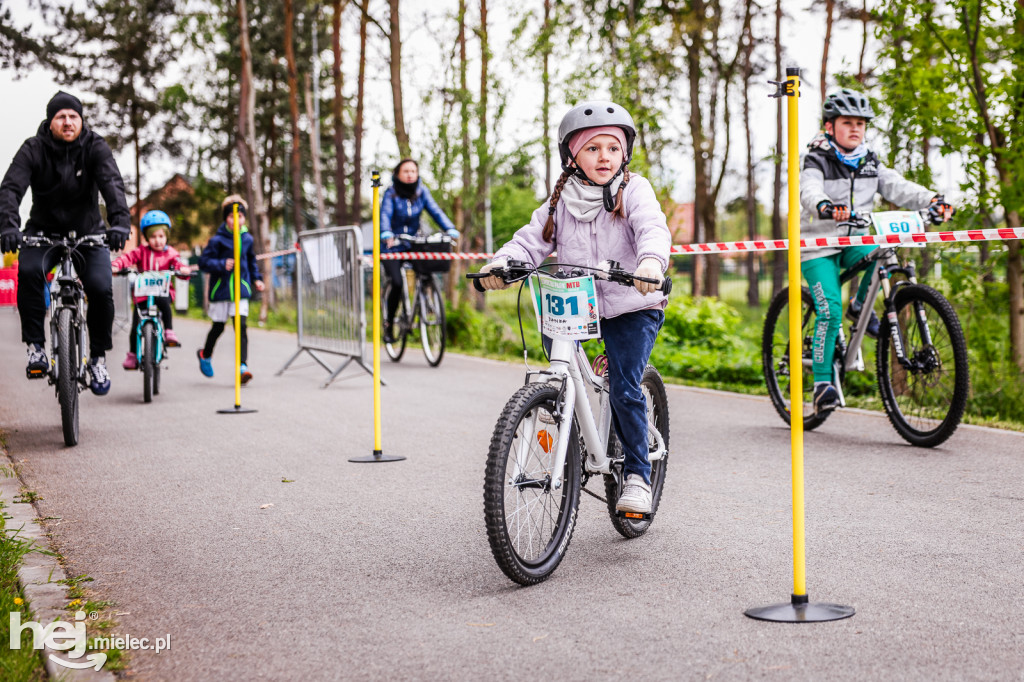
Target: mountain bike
(68, 338)
(547, 444)
(150, 348)
(425, 308)
(921, 359)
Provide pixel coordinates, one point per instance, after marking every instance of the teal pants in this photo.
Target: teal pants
(822, 275)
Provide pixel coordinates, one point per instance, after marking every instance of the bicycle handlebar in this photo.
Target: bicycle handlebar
(436, 238)
(514, 270)
(69, 241)
(863, 220)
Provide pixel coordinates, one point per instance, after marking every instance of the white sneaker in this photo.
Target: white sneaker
(636, 496)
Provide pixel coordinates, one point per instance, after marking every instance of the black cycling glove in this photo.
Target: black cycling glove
(939, 211)
(10, 241)
(116, 238)
(837, 212)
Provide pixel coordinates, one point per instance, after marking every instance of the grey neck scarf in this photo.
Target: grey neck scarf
(584, 202)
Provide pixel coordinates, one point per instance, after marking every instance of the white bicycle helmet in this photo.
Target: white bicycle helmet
(594, 115)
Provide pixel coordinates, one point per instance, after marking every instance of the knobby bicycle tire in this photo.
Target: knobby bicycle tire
(432, 330)
(925, 404)
(657, 416)
(148, 361)
(775, 356)
(396, 349)
(530, 524)
(68, 364)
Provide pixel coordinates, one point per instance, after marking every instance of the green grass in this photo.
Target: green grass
(24, 664)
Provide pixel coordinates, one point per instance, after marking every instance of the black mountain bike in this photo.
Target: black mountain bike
(425, 308)
(921, 360)
(68, 337)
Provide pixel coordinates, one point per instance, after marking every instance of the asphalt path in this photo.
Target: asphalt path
(383, 571)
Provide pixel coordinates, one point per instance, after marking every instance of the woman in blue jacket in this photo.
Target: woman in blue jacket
(400, 211)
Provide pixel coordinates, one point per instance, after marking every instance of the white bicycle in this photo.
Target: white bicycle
(548, 444)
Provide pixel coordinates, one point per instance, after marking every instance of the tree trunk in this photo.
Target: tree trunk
(865, 19)
(293, 112)
(700, 193)
(545, 106)
(829, 11)
(482, 150)
(753, 297)
(247, 153)
(314, 153)
(1015, 281)
(138, 173)
(357, 143)
(395, 36)
(465, 204)
(341, 202)
(778, 257)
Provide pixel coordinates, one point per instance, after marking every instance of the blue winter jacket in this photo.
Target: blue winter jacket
(402, 216)
(217, 251)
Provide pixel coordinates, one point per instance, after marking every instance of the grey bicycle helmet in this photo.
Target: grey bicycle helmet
(594, 115)
(846, 102)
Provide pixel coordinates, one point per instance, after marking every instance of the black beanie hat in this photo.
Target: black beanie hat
(229, 210)
(60, 101)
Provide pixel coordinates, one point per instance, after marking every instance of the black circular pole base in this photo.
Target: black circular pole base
(237, 409)
(800, 610)
(377, 456)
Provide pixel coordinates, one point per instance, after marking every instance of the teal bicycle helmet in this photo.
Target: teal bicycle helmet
(153, 219)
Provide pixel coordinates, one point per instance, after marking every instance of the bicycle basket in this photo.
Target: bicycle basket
(424, 267)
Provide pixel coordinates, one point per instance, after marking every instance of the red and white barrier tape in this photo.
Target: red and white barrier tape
(273, 254)
(994, 234)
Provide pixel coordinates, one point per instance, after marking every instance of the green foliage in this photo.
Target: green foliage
(511, 208)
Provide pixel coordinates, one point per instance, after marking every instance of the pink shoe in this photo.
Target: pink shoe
(130, 361)
(171, 339)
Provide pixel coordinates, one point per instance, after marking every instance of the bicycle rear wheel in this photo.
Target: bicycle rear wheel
(432, 334)
(396, 349)
(926, 399)
(530, 523)
(775, 356)
(657, 419)
(68, 364)
(148, 361)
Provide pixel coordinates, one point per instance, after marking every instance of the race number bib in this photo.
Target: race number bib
(897, 222)
(567, 308)
(153, 284)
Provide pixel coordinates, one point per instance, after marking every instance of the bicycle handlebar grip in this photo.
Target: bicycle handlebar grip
(666, 286)
(475, 277)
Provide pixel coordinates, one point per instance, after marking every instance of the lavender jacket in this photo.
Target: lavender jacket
(642, 234)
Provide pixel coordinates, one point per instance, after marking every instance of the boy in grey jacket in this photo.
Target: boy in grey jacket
(840, 176)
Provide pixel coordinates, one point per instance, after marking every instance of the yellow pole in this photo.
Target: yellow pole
(376, 314)
(237, 299)
(796, 368)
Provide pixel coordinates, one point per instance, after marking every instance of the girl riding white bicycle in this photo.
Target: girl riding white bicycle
(598, 212)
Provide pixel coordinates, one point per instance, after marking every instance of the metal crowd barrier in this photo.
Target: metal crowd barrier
(122, 302)
(330, 297)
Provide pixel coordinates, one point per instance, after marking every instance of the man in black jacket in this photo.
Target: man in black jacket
(67, 165)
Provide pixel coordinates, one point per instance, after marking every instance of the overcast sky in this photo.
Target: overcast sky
(26, 97)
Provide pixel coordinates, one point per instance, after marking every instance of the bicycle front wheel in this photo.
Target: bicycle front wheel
(657, 422)
(68, 364)
(148, 361)
(926, 397)
(432, 334)
(529, 522)
(775, 356)
(396, 349)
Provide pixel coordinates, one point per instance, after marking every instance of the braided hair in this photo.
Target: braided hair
(549, 226)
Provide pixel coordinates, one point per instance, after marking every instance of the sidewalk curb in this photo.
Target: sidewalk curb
(39, 575)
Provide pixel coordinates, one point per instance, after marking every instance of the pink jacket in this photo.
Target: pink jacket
(145, 258)
(643, 234)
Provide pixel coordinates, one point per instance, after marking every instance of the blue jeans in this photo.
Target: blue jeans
(628, 341)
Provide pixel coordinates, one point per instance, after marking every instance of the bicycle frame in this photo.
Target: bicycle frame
(571, 368)
(66, 292)
(150, 315)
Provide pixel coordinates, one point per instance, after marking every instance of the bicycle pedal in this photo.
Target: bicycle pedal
(634, 516)
(35, 373)
(175, 344)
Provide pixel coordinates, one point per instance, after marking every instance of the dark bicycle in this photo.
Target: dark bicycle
(424, 309)
(68, 337)
(921, 360)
